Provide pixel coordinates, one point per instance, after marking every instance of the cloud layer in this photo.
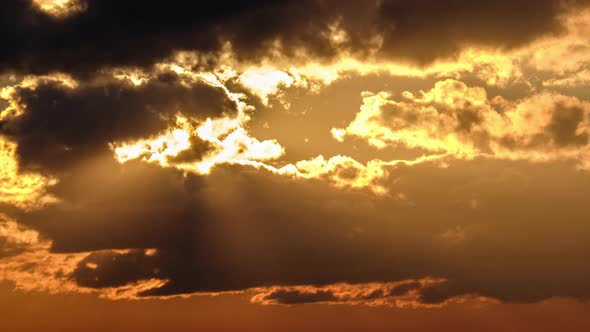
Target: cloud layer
(398, 153)
(81, 36)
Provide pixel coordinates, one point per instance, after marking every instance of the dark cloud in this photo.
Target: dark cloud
(436, 294)
(197, 150)
(404, 288)
(294, 296)
(137, 33)
(234, 230)
(110, 206)
(62, 125)
(563, 128)
(405, 293)
(112, 269)
(427, 29)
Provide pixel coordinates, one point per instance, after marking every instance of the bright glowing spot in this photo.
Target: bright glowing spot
(157, 149)
(237, 148)
(264, 82)
(61, 8)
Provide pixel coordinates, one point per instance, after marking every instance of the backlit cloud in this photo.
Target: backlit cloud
(21, 189)
(402, 294)
(392, 153)
(453, 118)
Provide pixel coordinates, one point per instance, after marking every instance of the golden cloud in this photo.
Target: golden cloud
(229, 143)
(61, 8)
(452, 119)
(32, 267)
(22, 189)
(455, 119)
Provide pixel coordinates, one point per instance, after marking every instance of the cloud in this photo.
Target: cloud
(64, 123)
(87, 35)
(137, 174)
(13, 239)
(455, 119)
(101, 269)
(234, 230)
(225, 141)
(22, 189)
(60, 8)
(423, 293)
(27, 262)
(406, 25)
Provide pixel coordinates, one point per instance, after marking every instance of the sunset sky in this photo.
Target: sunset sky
(295, 165)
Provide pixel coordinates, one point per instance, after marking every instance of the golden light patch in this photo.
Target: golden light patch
(159, 148)
(61, 8)
(23, 190)
(264, 82)
(13, 234)
(14, 109)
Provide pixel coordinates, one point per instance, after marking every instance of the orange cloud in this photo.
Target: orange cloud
(22, 189)
(26, 261)
(400, 294)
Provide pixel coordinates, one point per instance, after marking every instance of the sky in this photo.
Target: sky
(314, 165)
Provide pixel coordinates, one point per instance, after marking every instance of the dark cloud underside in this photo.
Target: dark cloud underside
(64, 125)
(137, 33)
(234, 230)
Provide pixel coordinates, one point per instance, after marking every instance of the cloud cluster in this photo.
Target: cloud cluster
(455, 119)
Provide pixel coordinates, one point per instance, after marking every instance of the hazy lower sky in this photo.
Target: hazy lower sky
(314, 165)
